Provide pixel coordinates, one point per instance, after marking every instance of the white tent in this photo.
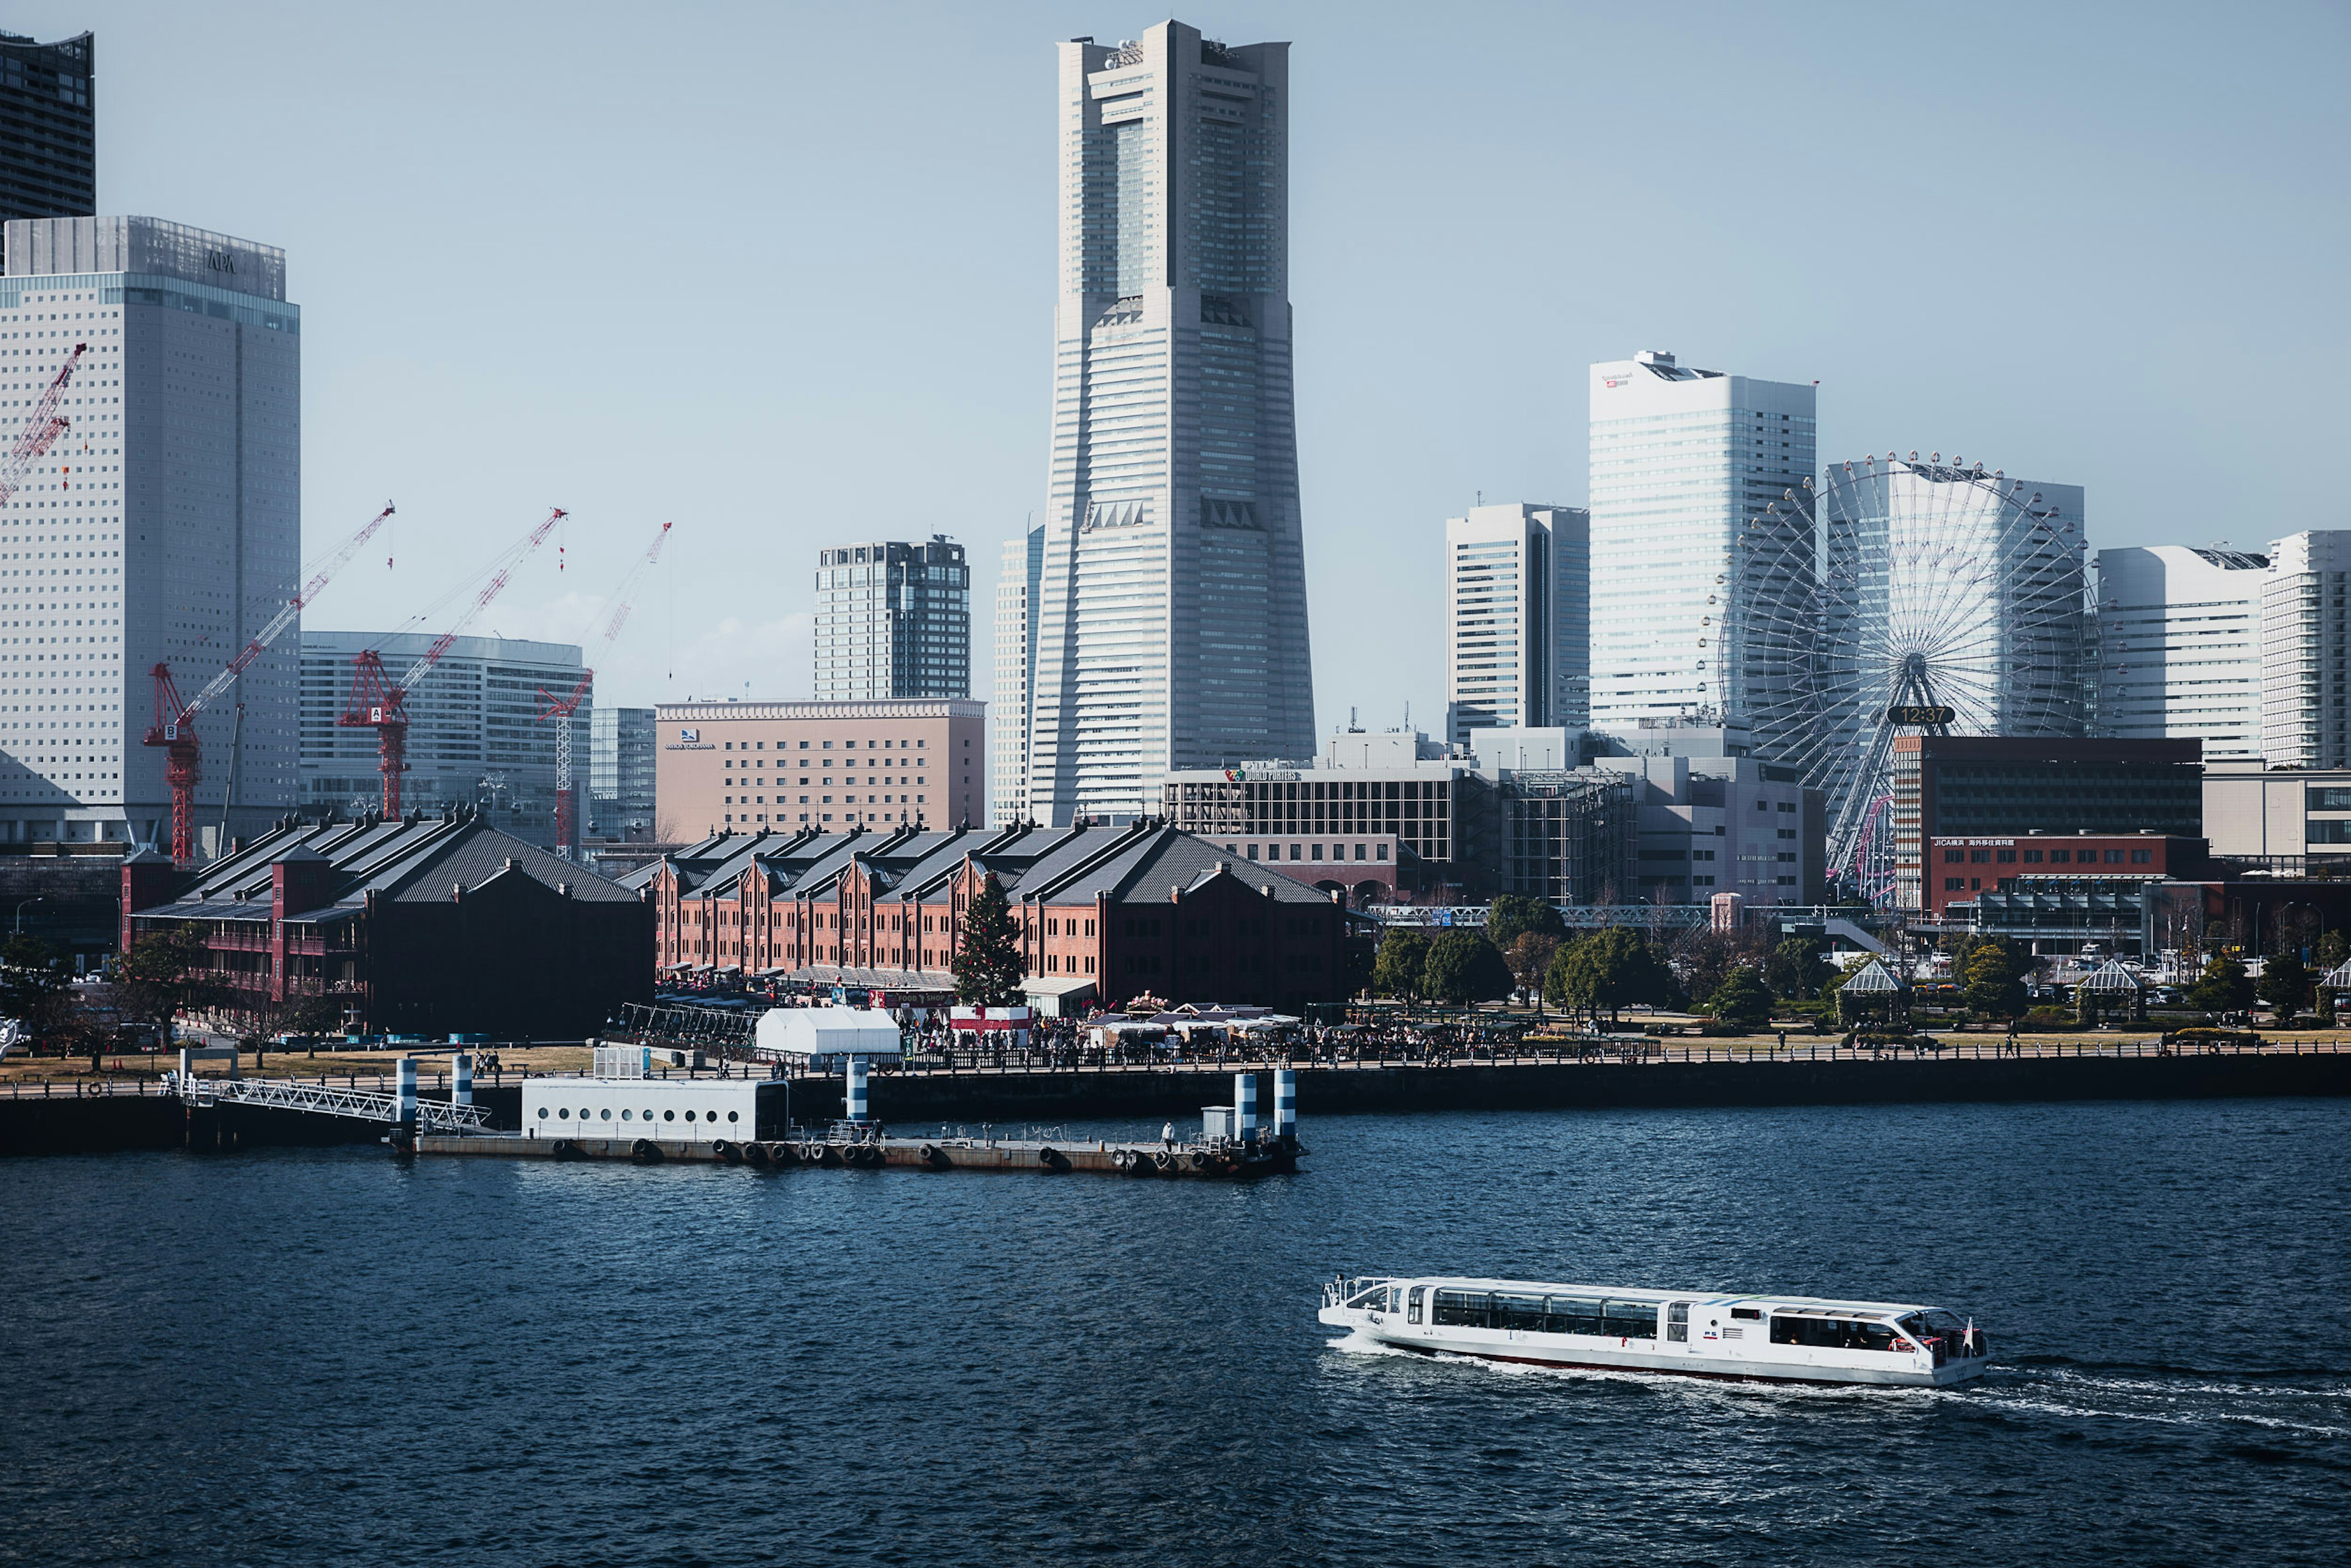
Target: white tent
(812, 1032)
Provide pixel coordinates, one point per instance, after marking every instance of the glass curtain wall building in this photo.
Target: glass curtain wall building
(162, 525)
(1517, 618)
(2179, 647)
(1171, 608)
(893, 620)
(621, 774)
(1016, 674)
(2305, 623)
(474, 735)
(1685, 465)
(48, 128)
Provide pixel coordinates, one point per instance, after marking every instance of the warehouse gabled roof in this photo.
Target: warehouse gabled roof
(413, 859)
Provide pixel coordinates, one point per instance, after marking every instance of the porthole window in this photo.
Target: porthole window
(689, 1115)
(542, 1113)
(607, 1113)
(669, 1116)
(565, 1113)
(625, 1115)
(734, 1116)
(649, 1115)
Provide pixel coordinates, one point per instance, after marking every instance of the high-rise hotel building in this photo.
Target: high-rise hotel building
(164, 527)
(1517, 619)
(1685, 461)
(1171, 609)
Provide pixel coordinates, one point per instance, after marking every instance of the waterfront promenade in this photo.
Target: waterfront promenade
(67, 1112)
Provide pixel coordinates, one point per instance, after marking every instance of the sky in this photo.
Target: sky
(783, 274)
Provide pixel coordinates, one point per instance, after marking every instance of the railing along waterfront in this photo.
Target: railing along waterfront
(1547, 1053)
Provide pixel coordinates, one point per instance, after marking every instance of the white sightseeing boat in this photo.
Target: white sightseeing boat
(1780, 1339)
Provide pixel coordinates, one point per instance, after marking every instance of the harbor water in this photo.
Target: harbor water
(296, 1356)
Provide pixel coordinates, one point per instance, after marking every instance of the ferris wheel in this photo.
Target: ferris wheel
(1902, 595)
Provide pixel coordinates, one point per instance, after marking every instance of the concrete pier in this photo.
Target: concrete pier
(1189, 1162)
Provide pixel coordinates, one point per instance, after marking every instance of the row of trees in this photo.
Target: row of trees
(164, 974)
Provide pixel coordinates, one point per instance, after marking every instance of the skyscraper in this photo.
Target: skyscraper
(163, 526)
(48, 128)
(893, 621)
(2179, 647)
(1517, 618)
(1016, 672)
(2304, 625)
(621, 773)
(1171, 611)
(1684, 461)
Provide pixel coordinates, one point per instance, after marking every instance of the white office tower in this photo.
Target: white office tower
(1517, 619)
(2179, 647)
(1686, 466)
(2305, 622)
(1172, 605)
(163, 526)
(1016, 672)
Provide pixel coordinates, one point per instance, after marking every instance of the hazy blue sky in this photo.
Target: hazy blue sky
(784, 274)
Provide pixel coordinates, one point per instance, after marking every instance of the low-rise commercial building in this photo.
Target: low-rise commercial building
(824, 768)
(1122, 911)
(1990, 786)
(2287, 820)
(2052, 889)
(425, 926)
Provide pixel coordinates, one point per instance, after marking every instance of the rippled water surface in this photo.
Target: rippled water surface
(305, 1356)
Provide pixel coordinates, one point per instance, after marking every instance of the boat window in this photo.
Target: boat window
(1524, 1312)
(1395, 1298)
(1412, 1312)
(1678, 1322)
(1461, 1309)
(1575, 1314)
(1632, 1320)
(1832, 1333)
(1751, 1315)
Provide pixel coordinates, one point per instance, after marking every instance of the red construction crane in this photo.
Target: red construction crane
(42, 427)
(381, 704)
(563, 707)
(174, 727)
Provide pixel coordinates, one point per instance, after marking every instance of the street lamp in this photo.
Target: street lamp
(37, 898)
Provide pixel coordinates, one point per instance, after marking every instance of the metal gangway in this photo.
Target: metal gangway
(325, 1100)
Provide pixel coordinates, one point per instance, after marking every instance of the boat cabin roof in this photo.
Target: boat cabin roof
(1803, 1306)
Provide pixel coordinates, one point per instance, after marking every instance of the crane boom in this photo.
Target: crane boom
(490, 589)
(287, 614)
(563, 707)
(42, 426)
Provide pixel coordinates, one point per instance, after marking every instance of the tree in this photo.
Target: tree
(35, 989)
(1608, 970)
(987, 964)
(1512, 915)
(2285, 985)
(1742, 1000)
(1463, 968)
(1798, 967)
(1396, 972)
(2332, 949)
(165, 972)
(2223, 987)
(1530, 959)
(1995, 982)
(1705, 958)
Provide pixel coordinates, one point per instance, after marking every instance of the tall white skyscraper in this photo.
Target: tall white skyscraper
(1171, 609)
(893, 620)
(163, 528)
(1016, 671)
(2305, 623)
(1517, 618)
(1684, 464)
(2179, 647)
